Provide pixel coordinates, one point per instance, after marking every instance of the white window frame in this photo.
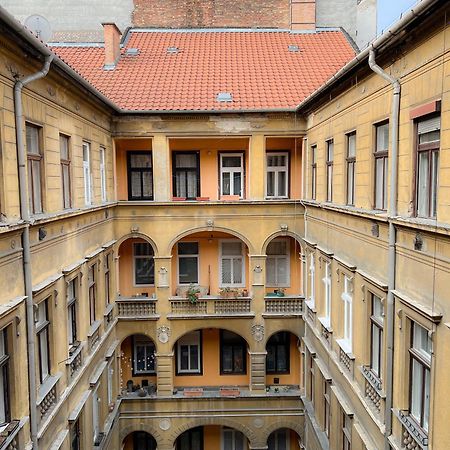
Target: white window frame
(277, 258)
(312, 277)
(326, 280)
(95, 414)
(232, 171)
(377, 324)
(191, 339)
(139, 340)
(196, 255)
(87, 173)
(235, 435)
(279, 434)
(103, 173)
(142, 257)
(347, 298)
(109, 378)
(276, 170)
(232, 257)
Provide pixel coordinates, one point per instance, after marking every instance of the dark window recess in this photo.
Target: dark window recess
(278, 354)
(140, 176)
(188, 262)
(191, 440)
(143, 441)
(144, 264)
(186, 175)
(233, 353)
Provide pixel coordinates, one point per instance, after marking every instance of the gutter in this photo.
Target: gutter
(25, 216)
(392, 213)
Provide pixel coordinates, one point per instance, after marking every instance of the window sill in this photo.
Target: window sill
(346, 347)
(311, 304)
(373, 380)
(76, 350)
(47, 386)
(94, 327)
(326, 323)
(412, 428)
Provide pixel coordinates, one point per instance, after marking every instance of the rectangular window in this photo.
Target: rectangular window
(65, 171)
(277, 263)
(103, 173)
(278, 353)
(72, 293)
(144, 264)
(95, 415)
(313, 172)
(277, 175)
(347, 298)
(143, 356)
(189, 353)
(231, 264)
(327, 290)
(186, 175)
(351, 161)
(376, 335)
(232, 174)
(43, 338)
(108, 265)
(326, 408)
(381, 165)
(420, 370)
(428, 143)
(188, 263)
(312, 277)
(140, 176)
(346, 431)
(191, 440)
(92, 292)
(4, 377)
(75, 435)
(109, 386)
(329, 166)
(279, 440)
(233, 354)
(87, 173)
(312, 384)
(232, 439)
(34, 162)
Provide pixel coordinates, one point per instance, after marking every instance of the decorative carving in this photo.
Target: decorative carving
(163, 277)
(165, 424)
(13, 244)
(134, 229)
(257, 269)
(258, 332)
(51, 90)
(210, 223)
(284, 227)
(163, 334)
(258, 422)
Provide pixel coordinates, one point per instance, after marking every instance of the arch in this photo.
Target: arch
(296, 426)
(210, 229)
(137, 235)
(146, 426)
(137, 332)
(286, 328)
(280, 233)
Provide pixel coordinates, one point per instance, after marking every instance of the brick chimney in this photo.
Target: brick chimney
(303, 14)
(112, 36)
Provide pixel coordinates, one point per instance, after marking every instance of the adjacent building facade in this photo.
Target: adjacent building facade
(201, 267)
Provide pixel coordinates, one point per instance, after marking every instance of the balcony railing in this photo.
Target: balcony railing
(10, 436)
(413, 436)
(75, 360)
(287, 305)
(93, 336)
(47, 397)
(136, 308)
(211, 306)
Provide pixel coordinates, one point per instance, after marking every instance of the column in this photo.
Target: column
(257, 167)
(164, 363)
(161, 168)
(258, 372)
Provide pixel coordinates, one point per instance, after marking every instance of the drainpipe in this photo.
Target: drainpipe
(25, 215)
(392, 213)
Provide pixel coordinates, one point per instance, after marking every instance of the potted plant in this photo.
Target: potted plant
(280, 292)
(227, 292)
(193, 293)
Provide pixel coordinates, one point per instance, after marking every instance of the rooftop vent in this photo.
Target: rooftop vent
(224, 97)
(293, 48)
(132, 52)
(173, 50)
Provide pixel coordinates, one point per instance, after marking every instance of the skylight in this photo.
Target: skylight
(293, 48)
(224, 97)
(173, 50)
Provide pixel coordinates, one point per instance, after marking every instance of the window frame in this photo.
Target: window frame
(38, 157)
(327, 281)
(327, 407)
(277, 434)
(232, 257)
(190, 433)
(384, 156)
(235, 346)
(312, 279)
(142, 339)
(43, 338)
(235, 434)
(376, 323)
(350, 169)
(189, 337)
(87, 173)
(108, 262)
(313, 171)
(92, 293)
(66, 167)
(286, 342)
(346, 430)
(329, 165)
(5, 362)
(278, 257)
(276, 170)
(233, 170)
(102, 154)
(141, 171)
(195, 170)
(95, 413)
(190, 255)
(75, 435)
(150, 257)
(347, 298)
(72, 311)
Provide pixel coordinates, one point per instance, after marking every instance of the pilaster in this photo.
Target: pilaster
(257, 163)
(161, 168)
(164, 363)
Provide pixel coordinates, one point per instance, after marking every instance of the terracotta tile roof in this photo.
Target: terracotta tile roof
(254, 66)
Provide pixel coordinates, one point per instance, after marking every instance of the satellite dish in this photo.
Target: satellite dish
(40, 26)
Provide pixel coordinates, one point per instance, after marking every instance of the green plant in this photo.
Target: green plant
(193, 293)
(228, 292)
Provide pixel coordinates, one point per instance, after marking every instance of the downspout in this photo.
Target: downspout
(392, 213)
(25, 215)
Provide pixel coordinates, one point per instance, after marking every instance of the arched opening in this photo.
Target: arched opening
(212, 437)
(211, 359)
(283, 362)
(284, 439)
(139, 440)
(138, 366)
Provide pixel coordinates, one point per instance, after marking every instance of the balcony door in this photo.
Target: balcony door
(186, 175)
(232, 174)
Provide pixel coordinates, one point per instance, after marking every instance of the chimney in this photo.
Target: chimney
(112, 36)
(303, 14)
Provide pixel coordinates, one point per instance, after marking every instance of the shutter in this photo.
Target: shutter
(429, 125)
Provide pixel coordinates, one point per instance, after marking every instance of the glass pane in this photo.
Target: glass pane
(140, 358)
(226, 271)
(188, 248)
(144, 271)
(36, 168)
(330, 150)
(191, 184)
(426, 406)
(32, 139)
(434, 182)
(186, 161)
(136, 185)
(228, 440)
(375, 349)
(64, 147)
(143, 249)
(86, 152)
(270, 271)
(270, 184)
(282, 187)
(227, 359)
(350, 183)
(351, 150)
(180, 184)
(231, 248)
(66, 186)
(193, 357)
(237, 183)
(385, 185)
(277, 247)
(276, 160)
(379, 183)
(43, 353)
(142, 160)
(226, 183)
(432, 136)
(382, 137)
(237, 271)
(423, 184)
(147, 181)
(184, 357)
(282, 358)
(270, 359)
(231, 161)
(238, 361)
(282, 271)
(188, 272)
(416, 390)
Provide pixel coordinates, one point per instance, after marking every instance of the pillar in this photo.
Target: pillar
(257, 166)
(258, 372)
(161, 168)
(164, 363)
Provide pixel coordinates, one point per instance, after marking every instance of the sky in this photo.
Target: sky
(389, 11)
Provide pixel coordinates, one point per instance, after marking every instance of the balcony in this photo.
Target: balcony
(372, 388)
(413, 436)
(136, 308)
(289, 305)
(10, 435)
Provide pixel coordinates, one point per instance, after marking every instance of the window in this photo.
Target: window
(92, 292)
(103, 173)
(420, 368)
(95, 415)
(351, 161)
(186, 175)
(278, 353)
(326, 280)
(144, 265)
(42, 330)
(277, 175)
(109, 386)
(87, 173)
(75, 435)
(191, 440)
(189, 353)
(279, 440)
(143, 441)
(329, 165)
(347, 299)
(326, 408)
(376, 335)
(231, 263)
(232, 174)
(188, 263)
(233, 353)
(381, 165)
(277, 263)
(312, 384)
(72, 293)
(140, 176)
(4, 377)
(428, 142)
(34, 162)
(312, 276)
(313, 172)
(143, 356)
(65, 170)
(108, 263)
(232, 439)
(346, 423)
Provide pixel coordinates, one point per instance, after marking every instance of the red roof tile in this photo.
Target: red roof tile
(254, 66)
